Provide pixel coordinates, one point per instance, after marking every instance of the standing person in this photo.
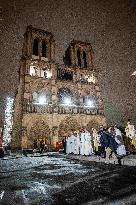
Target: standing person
(117, 131)
(112, 144)
(104, 142)
(68, 145)
(88, 148)
(35, 145)
(77, 142)
(1, 143)
(131, 135)
(96, 140)
(72, 142)
(121, 150)
(130, 129)
(64, 141)
(86, 143)
(42, 145)
(82, 142)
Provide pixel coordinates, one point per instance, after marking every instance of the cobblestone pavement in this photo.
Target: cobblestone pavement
(58, 179)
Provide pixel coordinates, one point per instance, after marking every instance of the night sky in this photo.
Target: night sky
(110, 27)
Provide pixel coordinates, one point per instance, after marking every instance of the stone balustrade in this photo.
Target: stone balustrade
(60, 109)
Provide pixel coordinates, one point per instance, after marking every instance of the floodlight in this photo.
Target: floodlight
(134, 73)
(42, 100)
(90, 103)
(67, 101)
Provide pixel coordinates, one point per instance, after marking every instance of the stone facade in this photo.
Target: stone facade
(52, 99)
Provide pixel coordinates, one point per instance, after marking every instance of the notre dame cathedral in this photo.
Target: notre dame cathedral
(54, 99)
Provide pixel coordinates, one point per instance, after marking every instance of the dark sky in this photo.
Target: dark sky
(109, 25)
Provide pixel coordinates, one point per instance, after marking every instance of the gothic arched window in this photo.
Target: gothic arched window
(84, 58)
(41, 97)
(44, 49)
(63, 74)
(79, 58)
(35, 47)
(65, 96)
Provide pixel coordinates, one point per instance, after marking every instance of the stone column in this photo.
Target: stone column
(90, 59)
(72, 55)
(29, 41)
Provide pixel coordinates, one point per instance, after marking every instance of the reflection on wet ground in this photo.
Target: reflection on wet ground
(56, 179)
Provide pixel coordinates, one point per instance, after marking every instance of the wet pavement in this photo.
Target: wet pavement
(57, 179)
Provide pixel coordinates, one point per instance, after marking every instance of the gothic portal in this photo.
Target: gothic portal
(52, 99)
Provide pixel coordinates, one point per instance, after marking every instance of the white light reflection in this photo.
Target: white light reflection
(8, 121)
(42, 100)
(90, 103)
(134, 73)
(67, 101)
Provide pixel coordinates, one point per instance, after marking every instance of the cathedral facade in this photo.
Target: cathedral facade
(54, 99)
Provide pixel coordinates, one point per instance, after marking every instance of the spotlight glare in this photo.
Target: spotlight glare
(67, 101)
(42, 100)
(134, 73)
(90, 103)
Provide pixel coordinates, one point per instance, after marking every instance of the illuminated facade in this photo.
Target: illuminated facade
(53, 99)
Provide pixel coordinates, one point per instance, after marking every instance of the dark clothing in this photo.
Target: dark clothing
(112, 144)
(42, 145)
(107, 140)
(64, 145)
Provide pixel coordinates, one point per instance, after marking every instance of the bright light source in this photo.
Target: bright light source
(42, 100)
(90, 103)
(67, 101)
(8, 121)
(134, 73)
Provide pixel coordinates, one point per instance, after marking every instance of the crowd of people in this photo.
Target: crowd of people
(105, 142)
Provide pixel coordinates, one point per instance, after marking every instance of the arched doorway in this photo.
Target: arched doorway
(66, 126)
(39, 131)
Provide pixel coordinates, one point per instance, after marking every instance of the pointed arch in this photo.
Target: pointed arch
(67, 125)
(78, 58)
(40, 131)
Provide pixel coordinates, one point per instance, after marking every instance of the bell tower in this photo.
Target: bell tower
(37, 68)
(38, 44)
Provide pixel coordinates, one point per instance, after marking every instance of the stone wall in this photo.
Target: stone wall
(49, 126)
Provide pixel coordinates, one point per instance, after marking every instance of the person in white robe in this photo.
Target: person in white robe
(72, 143)
(68, 145)
(117, 131)
(121, 150)
(77, 143)
(82, 142)
(88, 148)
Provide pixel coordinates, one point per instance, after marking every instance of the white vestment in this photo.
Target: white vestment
(121, 150)
(77, 144)
(68, 145)
(82, 142)
(72, 143)
(118, 132)
(88, 149)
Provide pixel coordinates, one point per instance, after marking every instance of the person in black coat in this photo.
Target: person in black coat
(103, 142)
(107, 141)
